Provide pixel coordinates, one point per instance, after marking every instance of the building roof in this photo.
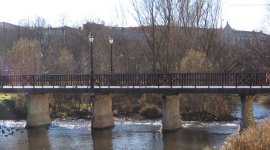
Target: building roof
(239, 33)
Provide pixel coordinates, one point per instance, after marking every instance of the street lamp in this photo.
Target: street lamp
(91, 40)
(111, 42)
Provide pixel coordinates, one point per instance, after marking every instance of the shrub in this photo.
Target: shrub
(151, 111)
(254, 138)
(199, 106)
(262, 98)
(124, 108)
(125, 104)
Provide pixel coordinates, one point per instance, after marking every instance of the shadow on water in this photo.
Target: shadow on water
(190, 139)
(38, 138)
(184, 139)
(102, 139)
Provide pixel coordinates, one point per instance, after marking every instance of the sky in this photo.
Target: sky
(246, 15)
(240, 14)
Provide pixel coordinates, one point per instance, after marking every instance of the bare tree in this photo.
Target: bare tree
(171, 27)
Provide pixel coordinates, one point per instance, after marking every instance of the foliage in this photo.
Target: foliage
(70, 105)
(151, 111)
(262, 98)
(12, 107)
(195, 62)
(257, 137)
(59, 61)
(5, 97)
(65, 62)
(125, 104)
(204, 107)
(26, 57)
(193, 104)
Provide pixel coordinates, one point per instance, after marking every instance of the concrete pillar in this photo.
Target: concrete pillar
(247, 118)
(102, 113)
(171, 116)
(38, 110)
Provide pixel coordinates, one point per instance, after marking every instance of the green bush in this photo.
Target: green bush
(12, 107)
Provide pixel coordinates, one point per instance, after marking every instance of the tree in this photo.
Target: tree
(214, 104)
(26, 57)
(147, 18)
(65, 62)
(195, 62)
(171, 27)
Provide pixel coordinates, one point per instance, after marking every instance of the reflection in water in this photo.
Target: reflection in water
(196, 137)
(102, 139)
(38, 138)
(184, 139)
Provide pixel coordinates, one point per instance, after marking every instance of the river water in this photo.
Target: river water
(128, 134)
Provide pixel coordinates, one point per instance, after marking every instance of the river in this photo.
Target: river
(128, 134)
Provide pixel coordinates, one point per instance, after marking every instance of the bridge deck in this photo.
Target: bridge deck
(136, 89)
(143, 83)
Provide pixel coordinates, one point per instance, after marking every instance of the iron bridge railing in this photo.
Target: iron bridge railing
(135, 80)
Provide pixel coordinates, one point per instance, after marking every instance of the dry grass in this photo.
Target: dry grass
(151, 111)
(263, 98)
(214, 104)
(255, 138)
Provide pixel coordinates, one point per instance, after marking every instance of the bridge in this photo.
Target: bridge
(236, 83)
(102, 85)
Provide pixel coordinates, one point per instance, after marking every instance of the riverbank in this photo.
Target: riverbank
(262, 98)
(257, 137)
(12, 107)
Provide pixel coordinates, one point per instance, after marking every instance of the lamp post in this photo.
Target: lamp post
(111, 43)
(91, 40)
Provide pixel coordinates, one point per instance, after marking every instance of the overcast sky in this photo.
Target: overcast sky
(241, 14)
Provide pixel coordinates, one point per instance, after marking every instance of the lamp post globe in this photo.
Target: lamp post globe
(91, 40)
(111, 43)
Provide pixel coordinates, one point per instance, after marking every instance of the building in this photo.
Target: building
(241, 38)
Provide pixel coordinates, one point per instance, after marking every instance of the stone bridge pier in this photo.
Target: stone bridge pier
(102, 112)
(247, 117)
(171, 116)
(38, 110)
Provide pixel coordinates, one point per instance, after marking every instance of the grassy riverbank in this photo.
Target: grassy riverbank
(12, 107)
(254, 138)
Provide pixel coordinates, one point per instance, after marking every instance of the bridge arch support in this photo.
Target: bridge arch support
(38, 110)
(247, 117)
(102, 112)
(171, 116)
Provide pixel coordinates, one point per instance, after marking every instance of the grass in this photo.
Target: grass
(6, 97)
(9, 108)
(205, 107)
(254, 138)
(263, 98)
